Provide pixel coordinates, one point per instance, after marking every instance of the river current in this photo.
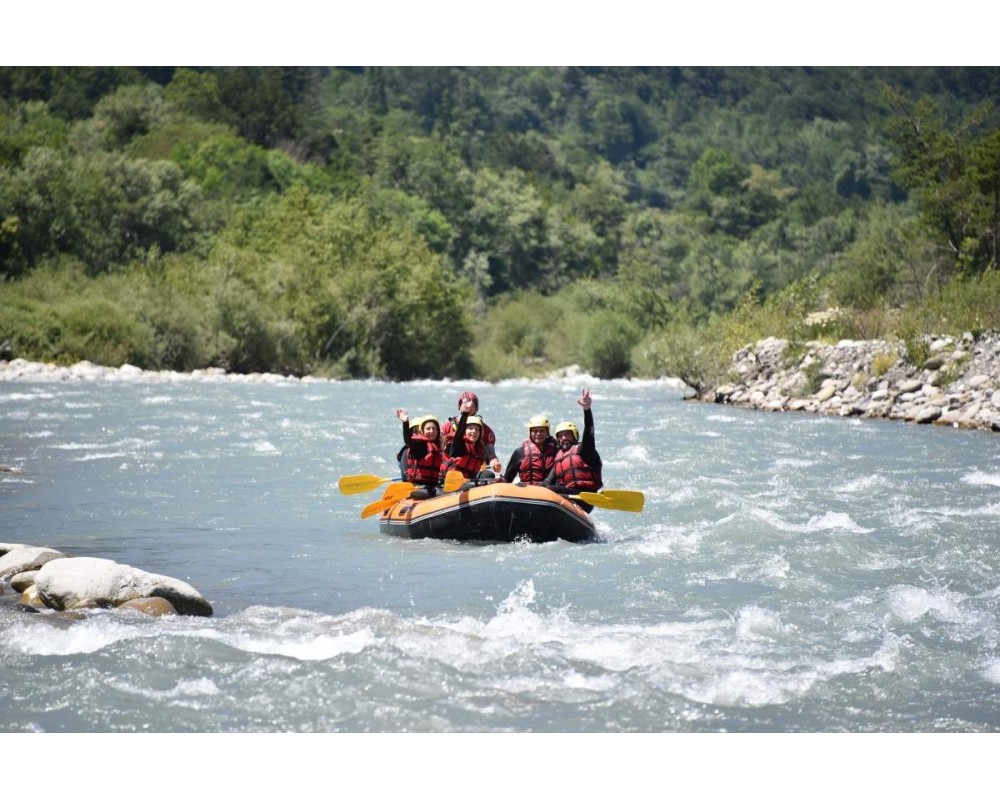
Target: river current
(789, 573)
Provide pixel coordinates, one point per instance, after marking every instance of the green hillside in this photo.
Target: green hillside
(432, 222)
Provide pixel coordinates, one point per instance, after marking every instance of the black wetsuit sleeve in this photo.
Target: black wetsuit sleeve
(514, 465)
(418, 447)
(457, 446)
(588, 447)
(550, 479)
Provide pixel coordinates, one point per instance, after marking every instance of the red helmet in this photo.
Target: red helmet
(468, 396)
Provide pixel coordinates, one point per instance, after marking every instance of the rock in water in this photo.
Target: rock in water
(151, 606)
(23, 558)
(85, 582)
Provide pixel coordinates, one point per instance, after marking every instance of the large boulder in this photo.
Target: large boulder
(15, 558)
(99, 582)
(151, 606)
(22, 580)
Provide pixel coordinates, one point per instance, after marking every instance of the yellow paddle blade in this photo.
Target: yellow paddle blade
(356, 484)
(453, 480)
(377, 507)
(627, 499)
(397, 491)
(620, 500)
(593, 498)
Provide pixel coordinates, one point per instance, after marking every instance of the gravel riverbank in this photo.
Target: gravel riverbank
(958, 384)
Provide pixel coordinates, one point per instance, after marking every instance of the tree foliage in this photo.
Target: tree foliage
(399, 221)
(954, 172)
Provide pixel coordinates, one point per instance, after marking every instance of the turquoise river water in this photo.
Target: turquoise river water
(789, 573)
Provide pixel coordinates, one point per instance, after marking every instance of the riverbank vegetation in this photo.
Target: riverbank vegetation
(490, 222)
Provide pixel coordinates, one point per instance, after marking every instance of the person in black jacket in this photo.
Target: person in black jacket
(532, 461)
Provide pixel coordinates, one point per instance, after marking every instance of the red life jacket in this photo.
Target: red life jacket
(537, 462)
(574, 473)
(469, 464)
(451, 425)
(424, 471)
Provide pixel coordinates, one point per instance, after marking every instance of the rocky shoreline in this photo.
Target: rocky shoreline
(43, 578)
(958, 383)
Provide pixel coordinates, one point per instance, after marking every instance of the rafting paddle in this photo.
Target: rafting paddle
(454, 480)
(393, 494)
(377, 507)
(356, 484)
(398, 491)
(626, 499)
(613, 499)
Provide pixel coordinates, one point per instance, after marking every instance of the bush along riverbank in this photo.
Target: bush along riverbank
(956, 381)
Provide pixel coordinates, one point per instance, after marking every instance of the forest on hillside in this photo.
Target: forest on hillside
(405, 222)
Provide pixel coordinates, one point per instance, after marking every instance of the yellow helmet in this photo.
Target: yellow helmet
(567, 426)
(417, 422)
(429, 418)
(538, 421)
(474, 421)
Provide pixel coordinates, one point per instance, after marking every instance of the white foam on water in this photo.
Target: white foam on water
(721, 418)
(835, 520)
(992, 671)
(305, 647)
(794, 463)
(685, 494)
(629, 457)
(740, 687)
(753, 622)
(861, 485)
(184, 690)
(979, 478)
(158, 400)
(910, 603)
(747, 674)
(14, 397)
(100, 456)
(663, 539)
(96, 632)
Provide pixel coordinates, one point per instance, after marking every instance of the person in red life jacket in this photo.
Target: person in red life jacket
(489, 438)
(414, 425)
(577, 466)
(533, 460)
(466, 453)
(422, 452)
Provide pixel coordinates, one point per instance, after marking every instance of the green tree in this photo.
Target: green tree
(507, 223)
(953, 173)
(103, 208)
(27, 125)
(129, 112)
(196, 93)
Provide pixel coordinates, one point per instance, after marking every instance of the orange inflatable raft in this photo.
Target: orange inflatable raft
(494, 512)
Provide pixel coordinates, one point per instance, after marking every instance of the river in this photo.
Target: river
(789, 573)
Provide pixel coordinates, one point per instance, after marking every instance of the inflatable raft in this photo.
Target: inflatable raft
(494, 512)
